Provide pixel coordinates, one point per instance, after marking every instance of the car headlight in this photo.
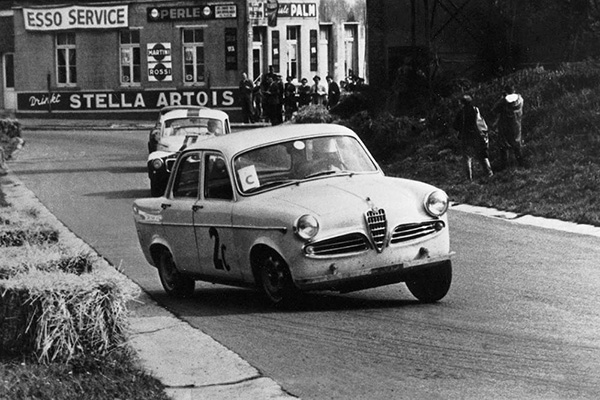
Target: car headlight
(157, 163)
(436, 203)
(306, 227)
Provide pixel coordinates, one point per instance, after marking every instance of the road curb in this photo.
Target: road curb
(530, 220)
(189, 363)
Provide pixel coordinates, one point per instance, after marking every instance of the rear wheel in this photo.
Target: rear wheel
(274, 278)
(174, 283)
(432, 284)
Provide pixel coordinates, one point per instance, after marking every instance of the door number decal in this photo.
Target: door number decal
(219, 252)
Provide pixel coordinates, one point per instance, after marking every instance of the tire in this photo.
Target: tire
(432, 284)
(174, 283)
(274, 279)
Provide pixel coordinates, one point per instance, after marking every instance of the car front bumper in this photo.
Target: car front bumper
(370, 278)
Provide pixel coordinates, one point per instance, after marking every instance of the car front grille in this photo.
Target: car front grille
(403, 233)
(346, 244)
(377, 223)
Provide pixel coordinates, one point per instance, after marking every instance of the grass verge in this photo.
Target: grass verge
(63, 321)
(116, 376)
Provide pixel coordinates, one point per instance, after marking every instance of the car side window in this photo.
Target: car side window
(217, 184)
(187, 178)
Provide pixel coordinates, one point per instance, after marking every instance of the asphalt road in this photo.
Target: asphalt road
(521, 321)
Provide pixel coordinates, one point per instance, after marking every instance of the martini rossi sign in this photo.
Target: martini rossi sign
(159, 62)
(125, 100)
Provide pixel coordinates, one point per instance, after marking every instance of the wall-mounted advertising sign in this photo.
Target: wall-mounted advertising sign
(192, 13)
(76, 17)
(159, 62)
(259, 10)
(130, 100)
(297, 10)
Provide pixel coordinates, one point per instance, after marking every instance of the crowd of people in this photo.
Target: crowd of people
(272, 100)
(474, 137)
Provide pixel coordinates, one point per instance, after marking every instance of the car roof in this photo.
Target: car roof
(166, 109)
(182, 112)
(235, 142)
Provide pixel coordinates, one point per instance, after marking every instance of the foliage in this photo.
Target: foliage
(312, 114)
(561, 146)
(116, 375)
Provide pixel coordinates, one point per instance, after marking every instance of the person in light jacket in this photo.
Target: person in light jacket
(509, 113)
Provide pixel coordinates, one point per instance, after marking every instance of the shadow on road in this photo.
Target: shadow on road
(121, 194)
(220, 301)
(113, 170)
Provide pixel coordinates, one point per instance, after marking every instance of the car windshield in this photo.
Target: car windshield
(192, 125)
(301, 159)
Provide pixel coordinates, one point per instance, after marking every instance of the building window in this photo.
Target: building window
(66, 66)
(193, 56)
(325, 50)
(292, 38)
(9, 71)
(130, 57)
(258, 37)
(351, 49)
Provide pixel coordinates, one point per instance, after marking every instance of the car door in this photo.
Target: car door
(212, 220)
(178, 211)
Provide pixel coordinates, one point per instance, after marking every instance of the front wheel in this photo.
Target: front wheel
(174, 283)
(432, 284)
(273, 277)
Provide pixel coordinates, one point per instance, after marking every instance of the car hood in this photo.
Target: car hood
(170, 143)
(335, 195)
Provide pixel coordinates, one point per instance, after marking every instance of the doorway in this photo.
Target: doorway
(8, 84)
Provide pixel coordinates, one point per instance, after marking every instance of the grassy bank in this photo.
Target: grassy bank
(63, 315)
(561, 136)
(117, 376)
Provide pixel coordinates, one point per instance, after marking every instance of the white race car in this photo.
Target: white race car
(294, 208)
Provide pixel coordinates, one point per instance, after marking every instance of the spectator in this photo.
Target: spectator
(333, 92)
(246, 89)
(509, 113)
(472, 132)
(318, 91)
(290, 101)
(303, 93)
(272, 101)
(280, 89)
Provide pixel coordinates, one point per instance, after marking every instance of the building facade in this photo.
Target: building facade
(132, 58)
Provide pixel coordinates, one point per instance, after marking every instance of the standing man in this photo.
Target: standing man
(318, 92)
(272, 100)
(303, 93)
(509, 113)
(246, 89)
(290, 102)
(472, 132)
(333, 92)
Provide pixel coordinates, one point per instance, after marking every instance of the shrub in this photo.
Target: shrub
(10, 141)
(312, 114)
(386, 136)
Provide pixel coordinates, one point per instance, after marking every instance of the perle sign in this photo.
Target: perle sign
(75, 17)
